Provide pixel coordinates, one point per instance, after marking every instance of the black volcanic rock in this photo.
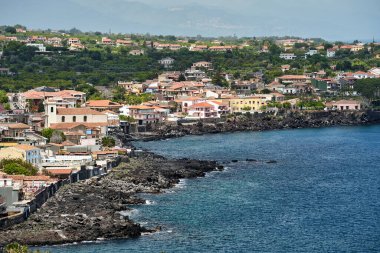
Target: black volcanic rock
(93, 209)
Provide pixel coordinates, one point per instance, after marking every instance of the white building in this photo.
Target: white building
(59, 115)
(287, 56)
(330, 53)
(374, 71)
(166, 62)
(311, 53)
(41, 47)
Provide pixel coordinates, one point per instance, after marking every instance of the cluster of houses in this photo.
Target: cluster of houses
(309, 46)
(75, 44)
(288, 47)
(75, 151)
(76, 156)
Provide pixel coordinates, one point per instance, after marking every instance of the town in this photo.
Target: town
(64, 98)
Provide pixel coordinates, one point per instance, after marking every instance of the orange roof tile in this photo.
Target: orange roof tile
(294, 77)
(102, 103)
(77, 111)
(60, 171)
(202, 104)
(25, 147)
(15, 125)
(140, 107)
(30, 178)
(64, 126)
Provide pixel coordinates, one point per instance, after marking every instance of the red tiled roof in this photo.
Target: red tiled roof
(202, 104)
(140, 107)
(60, 171)
(63, 126)
(30, 178)
(25, 147)
(102, 103)
(15, 125)
(294, 77)
(77, 111)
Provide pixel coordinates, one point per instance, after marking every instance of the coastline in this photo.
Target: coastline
(90, 210)
(263, 122)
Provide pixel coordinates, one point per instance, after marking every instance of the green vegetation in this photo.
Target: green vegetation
(127, 118)
(18, 248)
(108, 142)
(105, 65)
(369, 88)
(17, 167)
(4, 100)
(310, 105)
(52, 135)
(133, 99)
(279, 105)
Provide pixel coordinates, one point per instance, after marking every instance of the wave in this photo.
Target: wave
(129, 213)
(181, 184)
(149, 202)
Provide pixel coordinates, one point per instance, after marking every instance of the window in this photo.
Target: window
(85, 118)
(74, 118)
(63, 119)
(52, 109)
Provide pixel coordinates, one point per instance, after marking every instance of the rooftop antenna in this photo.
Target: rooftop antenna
(110, 31)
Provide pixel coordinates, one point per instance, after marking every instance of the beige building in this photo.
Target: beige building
(246, 104)
(27, 153)
(57, 115)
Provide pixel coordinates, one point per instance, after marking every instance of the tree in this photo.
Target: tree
(15, 169)
(18, 167)
(181, 78)
(265, 91)
(57, 137)
(10, 29)
(133, 99)
(286, 105)
(15, 248)
(129, 119)
(246, 108)
(47, 133)
(3, 97)
(118, 93)
(369, 88)
(108, 141)
(219, 80)
(328, 45)
(41, 107)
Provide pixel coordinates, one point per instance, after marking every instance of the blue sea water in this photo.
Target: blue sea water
(322, 195)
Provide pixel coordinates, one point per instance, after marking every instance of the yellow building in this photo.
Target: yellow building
(246, 104)
(27, 153)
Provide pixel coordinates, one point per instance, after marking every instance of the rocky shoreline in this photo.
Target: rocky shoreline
(93, 209)
(264, 122)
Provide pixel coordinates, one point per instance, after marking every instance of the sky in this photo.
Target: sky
(344, 20)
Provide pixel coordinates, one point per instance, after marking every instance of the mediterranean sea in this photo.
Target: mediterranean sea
(321, 195)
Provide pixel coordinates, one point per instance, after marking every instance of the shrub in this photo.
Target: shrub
(18, 167)
(108, 141)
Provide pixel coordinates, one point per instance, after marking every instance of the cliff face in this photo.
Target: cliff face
(267, 121)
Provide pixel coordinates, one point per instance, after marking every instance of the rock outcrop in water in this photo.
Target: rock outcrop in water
(263, 122)
(93, 209)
